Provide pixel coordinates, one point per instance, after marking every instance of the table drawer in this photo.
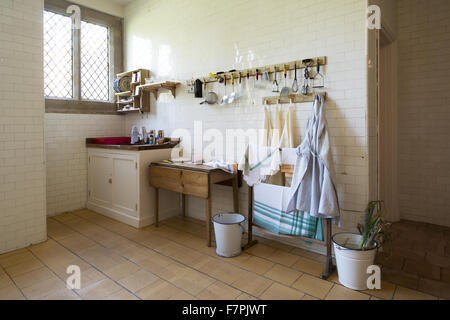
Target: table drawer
(166, 178)
(195, 183)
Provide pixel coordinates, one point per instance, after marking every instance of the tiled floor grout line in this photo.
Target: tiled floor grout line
(54, 273)
(260, 239)
(230, 263)
(249, 253)
(162, 254)
(12, 280)
(329, 291)
(173, 259)
(165, 234)
(300, 256)
(118, 255)
(395, 292)
(263, 275)
(213, 257)
(94, 267)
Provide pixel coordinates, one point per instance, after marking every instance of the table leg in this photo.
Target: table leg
(156, 207)
(235, 184)
(208, 221)
(183, 204)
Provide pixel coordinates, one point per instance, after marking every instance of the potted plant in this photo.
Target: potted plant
(356, 252)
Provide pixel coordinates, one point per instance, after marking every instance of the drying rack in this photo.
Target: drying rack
(288, 171)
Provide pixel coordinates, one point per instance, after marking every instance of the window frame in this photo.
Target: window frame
(77, 104)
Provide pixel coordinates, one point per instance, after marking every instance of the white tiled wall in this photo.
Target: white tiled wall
(424, 111)
(66, 153)
(22, 168)
(184, 39)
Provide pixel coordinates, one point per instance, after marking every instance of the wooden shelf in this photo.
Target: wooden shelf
(293, 98)
(129, 110)
(120, 94)
(138, 99)
(156, 86)
(125, 102)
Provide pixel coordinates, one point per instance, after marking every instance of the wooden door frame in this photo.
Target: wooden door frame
(387, 128)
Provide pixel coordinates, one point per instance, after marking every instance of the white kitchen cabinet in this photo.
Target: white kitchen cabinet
(118, 185)
(100, 169)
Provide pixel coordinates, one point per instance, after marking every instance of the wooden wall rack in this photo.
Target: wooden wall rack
(293, 98)
(134, 100)
(271, 69)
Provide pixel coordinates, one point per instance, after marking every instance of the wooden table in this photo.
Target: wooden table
(192, 180)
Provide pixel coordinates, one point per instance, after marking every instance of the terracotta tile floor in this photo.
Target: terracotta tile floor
(169, 262)
(419, 259)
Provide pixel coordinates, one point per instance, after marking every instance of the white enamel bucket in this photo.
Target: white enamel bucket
(228, 231)
(352, 263)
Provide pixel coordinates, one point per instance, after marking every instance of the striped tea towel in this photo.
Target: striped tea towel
(270, 202)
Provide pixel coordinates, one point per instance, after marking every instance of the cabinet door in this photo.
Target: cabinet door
(125, 184)
(100, 179)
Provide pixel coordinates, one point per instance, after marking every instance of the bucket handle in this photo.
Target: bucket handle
(242, 227)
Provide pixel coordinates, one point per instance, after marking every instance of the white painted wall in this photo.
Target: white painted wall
(66, 154)
(424, 112)
(208, 36)
(22, 167)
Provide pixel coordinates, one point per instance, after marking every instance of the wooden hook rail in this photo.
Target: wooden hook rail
(271, 69)
(293, 98)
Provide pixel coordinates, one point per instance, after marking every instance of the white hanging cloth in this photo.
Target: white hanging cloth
(287, 136)
(267, 137)
(313, 187)
(276, 129)
(259, 162)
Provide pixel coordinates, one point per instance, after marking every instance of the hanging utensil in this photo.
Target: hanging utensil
(233, 94)
(252, 91)
(319, 79)
(305, 88)
(247, 85)
(225, 97)
(258, 83)
(241, 89)
(205, 87)
(275, 82)
(285, 91)
(219, 79)
(295, 83)
(211, 98)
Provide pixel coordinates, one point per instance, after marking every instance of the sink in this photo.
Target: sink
(112, 141)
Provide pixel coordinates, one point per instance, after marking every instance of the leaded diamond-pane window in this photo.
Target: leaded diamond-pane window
(94, 62)
(58, 58)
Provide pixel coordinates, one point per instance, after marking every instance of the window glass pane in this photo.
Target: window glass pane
(94, 62)
(58, 62)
